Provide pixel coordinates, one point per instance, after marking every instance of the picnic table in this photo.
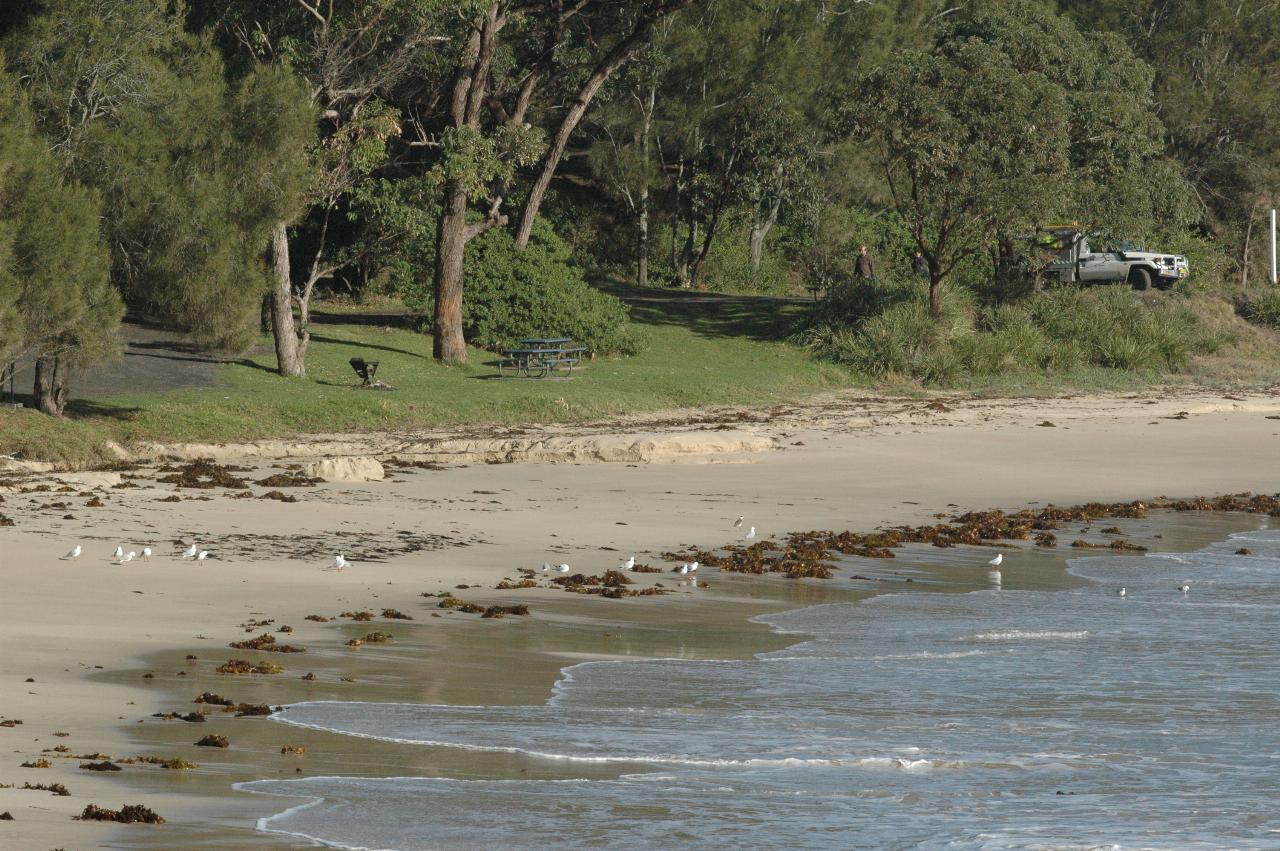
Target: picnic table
(539, 357)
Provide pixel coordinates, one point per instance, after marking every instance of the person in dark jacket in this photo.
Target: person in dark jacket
(866, 267)
(919, 265)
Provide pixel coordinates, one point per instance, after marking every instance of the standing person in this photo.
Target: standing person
(866, 267)
(919, 266)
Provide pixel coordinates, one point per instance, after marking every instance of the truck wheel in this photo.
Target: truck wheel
(1140, 279)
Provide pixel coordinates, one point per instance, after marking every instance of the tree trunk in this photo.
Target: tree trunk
(50, 388)
(642, 206)
(264, 315)
(289, 361)
(1244, 258)
(610, 62)
(760, 230)
(448, 345)
(935, 297)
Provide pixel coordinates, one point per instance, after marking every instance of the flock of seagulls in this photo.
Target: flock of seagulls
(995, 578)
(122, 557)
(1184, 587)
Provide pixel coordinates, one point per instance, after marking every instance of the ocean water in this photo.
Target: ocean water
(991, 719)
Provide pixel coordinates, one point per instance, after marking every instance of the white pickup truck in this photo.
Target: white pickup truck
(1073, 260)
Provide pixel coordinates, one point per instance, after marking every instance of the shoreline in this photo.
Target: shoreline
(62, 618)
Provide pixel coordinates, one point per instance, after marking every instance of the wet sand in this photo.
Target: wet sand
(432, 530)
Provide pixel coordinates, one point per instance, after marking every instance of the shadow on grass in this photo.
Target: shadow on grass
(335, 341)
(760, 318)
(404, 320)
(85, 408)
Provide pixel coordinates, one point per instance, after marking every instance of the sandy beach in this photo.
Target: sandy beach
(81, 635)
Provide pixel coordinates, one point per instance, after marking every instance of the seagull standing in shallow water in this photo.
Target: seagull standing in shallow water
(75, 553)
(693, 567)
(751, 534)
(630, 563)
(191, 551)
(1184, 587)
(1122, 593)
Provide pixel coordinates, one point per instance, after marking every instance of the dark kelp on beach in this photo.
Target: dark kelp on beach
(811, 554)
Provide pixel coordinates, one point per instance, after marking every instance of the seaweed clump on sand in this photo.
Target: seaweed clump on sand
(56, 788)
(357, 616)
(611, 585)
(1119, 545)
(396, 614)
(203, 474)
(37, 763)
(371, 638)
(213, 740)
(249, 710)
(507, 584)
(266, 642)
(317, 618)
(295, 479)
(240, 666)
(279, 496)
(128, 814)
(192, 717)
(503, 611)
(1247, 503)
(171, 763)
(105, 765)
(460, 605)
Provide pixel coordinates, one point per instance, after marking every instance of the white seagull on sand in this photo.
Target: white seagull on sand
(119, 553)
(630, 563)
(737, 524)
(1123, 592)
(127, 557)
(564, 568)
(682, 569)
(546, 567)
(75, 553)
(750, 534)
(191, 551)
(340, 562)
(146, 553)
(1184, 587)
(202, 555)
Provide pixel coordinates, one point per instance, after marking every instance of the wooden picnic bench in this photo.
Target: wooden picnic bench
(540, 357)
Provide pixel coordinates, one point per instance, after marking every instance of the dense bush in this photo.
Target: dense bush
(512, 294)
(1262, 309)
(883, 328)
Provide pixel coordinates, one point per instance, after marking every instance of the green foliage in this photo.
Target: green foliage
(884, 329)
(1263, 308)
(193, 171)
(58, 303)
(515, 294)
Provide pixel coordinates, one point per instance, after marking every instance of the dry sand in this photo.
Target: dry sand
(675, 480)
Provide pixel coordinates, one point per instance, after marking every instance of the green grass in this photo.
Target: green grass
(697, 356)
(700, 353)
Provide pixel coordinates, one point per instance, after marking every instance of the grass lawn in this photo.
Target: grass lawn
(698, 354)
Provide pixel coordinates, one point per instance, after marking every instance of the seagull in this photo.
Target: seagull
(202, 555)
(1122, 593)
(339, 562)
(146, 553)
(751, 534)
(737, 524)
(564, 568)
(997, 561)
(190, 552)
(682, 569)
(75, 553)
(546, 567)
(630, 563)
(119, 553)
(127, 557)
(1184, 587)
(693, 567)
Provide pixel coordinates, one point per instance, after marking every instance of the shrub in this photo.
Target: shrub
(513, 294)
(1263, 309)
(883, 328)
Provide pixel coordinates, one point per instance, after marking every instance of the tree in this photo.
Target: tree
(1012, 119)
(192, 170)
(53, 261)
(355, 56)
(489, 133)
